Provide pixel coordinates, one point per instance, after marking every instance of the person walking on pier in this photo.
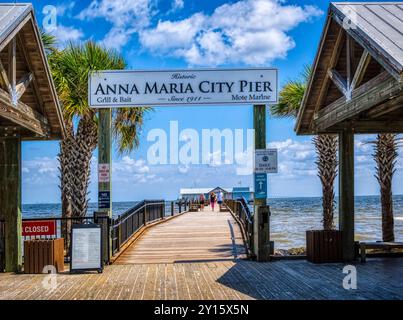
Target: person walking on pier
(202, 201)
(212, 200)
(220, 197)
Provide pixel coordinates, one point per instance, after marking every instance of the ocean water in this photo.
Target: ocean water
(290, 218)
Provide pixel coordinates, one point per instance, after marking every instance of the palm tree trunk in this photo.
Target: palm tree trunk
(65, 161)
(385, 157)
(85, 143)
(326, 150)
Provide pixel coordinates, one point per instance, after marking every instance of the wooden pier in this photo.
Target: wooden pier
(192, 237)
(233, 280)
(198, 255)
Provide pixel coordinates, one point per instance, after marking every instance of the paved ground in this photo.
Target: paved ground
(194, 236)
(377, 279)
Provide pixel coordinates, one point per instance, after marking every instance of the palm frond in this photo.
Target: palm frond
(291, 95)
(127, 125)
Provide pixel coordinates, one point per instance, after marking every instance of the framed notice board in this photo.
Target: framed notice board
(86, 248)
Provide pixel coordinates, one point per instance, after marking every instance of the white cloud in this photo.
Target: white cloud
(183, 168)
(253, 32)
(65, 9)
(126, 17)
(65, 34)
(41, 171)
(177, 5)
(129, 165)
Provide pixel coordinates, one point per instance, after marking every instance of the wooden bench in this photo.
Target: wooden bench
(377, 245)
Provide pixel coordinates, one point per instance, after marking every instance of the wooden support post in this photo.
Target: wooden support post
(105, 168)
(261, 247)
(10, 200)
(346, 192)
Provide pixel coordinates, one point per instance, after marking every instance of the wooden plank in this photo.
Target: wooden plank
(332, 63)
(10, 200)
(196, 236)
(364, 97)
(386, 108)
(346, 192)
(23, 84)
(226, 280)
(12, 66)
(360, 71)
(23, 115)
(35, 86)
(4, 78)
(339, 81)
(375, 126)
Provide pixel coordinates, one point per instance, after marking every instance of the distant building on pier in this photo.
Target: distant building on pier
(229, 193)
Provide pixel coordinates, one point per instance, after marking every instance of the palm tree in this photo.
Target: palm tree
(290, 100)
(385, 156)
(70, 68)
(49, 42)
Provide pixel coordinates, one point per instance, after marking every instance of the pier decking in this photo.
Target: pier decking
(194, 236)
(241, 279)
(197, 256)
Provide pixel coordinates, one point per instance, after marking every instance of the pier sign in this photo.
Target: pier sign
(266, 161)
(38, 228)
(104, 172)
(260, 186)
(104, 199)
(124, 88)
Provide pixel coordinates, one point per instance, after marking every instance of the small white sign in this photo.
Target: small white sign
(86, 248)
(124, 88)
(103, 172)
(266, 161)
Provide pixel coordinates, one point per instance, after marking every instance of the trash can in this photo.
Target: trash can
(41, 253)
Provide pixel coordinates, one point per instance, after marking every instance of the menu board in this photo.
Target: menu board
(86, 248)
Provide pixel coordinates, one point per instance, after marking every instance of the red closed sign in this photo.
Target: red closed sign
(39, 228)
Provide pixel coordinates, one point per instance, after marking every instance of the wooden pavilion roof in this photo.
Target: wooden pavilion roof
(28, 101)
(358, 71)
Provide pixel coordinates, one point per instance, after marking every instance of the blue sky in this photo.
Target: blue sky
(162, 34)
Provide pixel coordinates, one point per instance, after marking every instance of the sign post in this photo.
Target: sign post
(105, 171)
(261, 236)
(199, 87)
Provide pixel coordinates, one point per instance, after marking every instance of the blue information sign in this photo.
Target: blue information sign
(104, 200)
(260, 186)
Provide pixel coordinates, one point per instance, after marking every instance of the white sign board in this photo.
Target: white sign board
(126, 88)
(86, 248)
(266, 161)
(103, 172)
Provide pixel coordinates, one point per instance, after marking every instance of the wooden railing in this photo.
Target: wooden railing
(239, 208)
(146, 211)
(122, 228)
